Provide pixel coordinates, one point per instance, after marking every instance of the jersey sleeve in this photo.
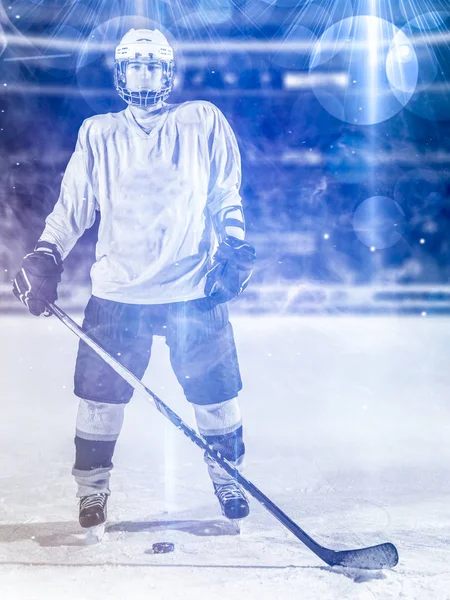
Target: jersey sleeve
(75, 209)
(225, 166)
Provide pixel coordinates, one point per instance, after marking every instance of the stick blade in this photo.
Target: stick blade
(382, 556)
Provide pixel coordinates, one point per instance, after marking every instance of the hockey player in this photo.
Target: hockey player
(170, 254)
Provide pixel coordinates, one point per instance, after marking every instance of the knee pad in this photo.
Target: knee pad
(218, 419)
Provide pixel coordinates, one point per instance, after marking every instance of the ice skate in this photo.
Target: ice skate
(233, 502)
(92, 516)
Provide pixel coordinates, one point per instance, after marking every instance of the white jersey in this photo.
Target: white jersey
(156, 194)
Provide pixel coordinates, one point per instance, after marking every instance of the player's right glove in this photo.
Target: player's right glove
(36, 282)
(231, 271)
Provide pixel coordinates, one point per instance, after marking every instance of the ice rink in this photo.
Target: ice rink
(347, 426)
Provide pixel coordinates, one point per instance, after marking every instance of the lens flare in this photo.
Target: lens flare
(381, 65)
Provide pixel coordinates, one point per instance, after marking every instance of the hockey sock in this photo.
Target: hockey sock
(97, 430)
(221, 426)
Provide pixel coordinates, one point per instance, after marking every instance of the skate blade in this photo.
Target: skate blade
(94, 535)
(235, 525)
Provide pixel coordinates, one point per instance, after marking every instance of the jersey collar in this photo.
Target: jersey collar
(157, 124)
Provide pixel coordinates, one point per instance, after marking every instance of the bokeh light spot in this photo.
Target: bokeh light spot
(379, 222)
(428, 33)
(376, 65)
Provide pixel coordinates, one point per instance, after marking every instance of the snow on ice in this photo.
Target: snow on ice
(347, 425)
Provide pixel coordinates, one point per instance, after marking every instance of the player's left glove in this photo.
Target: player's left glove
(231, 271)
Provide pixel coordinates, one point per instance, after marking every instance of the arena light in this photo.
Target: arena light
(294, 80)
(37, 57)
(211, 46)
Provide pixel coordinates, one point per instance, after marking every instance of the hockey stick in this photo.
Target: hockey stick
(374, 557)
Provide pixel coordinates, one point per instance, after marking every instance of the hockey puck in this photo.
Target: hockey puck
(163, 547)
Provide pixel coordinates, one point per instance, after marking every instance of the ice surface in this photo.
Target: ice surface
(347, 427)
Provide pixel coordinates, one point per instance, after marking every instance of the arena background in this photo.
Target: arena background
(341, 111)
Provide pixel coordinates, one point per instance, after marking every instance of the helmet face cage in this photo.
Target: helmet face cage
(145, 47)
(143, 98)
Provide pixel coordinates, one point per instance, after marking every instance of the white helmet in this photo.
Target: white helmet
(147, 46)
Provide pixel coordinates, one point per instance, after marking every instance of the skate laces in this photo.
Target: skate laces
(93, 501)
(229, 491)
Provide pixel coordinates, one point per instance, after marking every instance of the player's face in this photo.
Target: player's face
(143, 76)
